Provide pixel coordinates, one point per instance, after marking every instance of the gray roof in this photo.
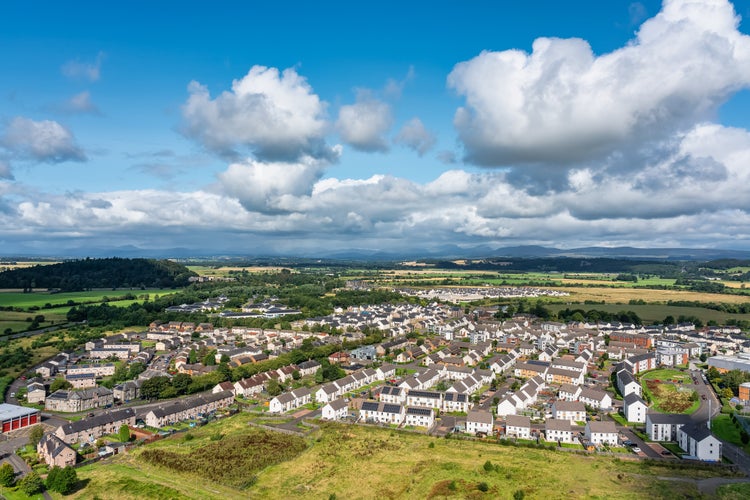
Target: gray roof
(98, 420)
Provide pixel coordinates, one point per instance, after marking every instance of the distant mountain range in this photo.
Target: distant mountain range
(442, 252)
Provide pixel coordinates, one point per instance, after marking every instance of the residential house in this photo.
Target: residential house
(455, 402)
(569, 392)
(188, 408)
(599, 433)
(309, 367)
(518, 426)
(664, 426)
(385, 413)
(479, 421)
(327, 393)
(634, 408)
(572, 411)
(641, 363)
(35, 393)
(595, 398)
(290, 400)
(429, 399)
(88, 430)
(627, 384)
(223, 386)
(81, 380)
(55, 452)
(75, 401)
(419, 416)
(392, 394)
(337, 409)
(127, 391)
(699, 443)
(559, 431)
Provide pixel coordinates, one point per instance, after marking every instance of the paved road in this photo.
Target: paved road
(640, 443)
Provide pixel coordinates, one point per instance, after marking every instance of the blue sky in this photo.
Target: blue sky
(295, 127)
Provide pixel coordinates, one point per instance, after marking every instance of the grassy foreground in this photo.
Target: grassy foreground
(361, 462)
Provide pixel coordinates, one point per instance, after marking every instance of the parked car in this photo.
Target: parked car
(636, 449)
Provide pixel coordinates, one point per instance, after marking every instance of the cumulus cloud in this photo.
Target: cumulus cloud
(363, 125)
(261, 186)
(416, 137)
(563, 104)
(699, 196)
(275, 115)
(82, 70)
(43, 141)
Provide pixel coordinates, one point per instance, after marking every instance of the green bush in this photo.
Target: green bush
(31, 484)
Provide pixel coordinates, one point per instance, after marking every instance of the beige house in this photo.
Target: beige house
(92, 428)
(188, 408)
(55, 452)
(75, 401)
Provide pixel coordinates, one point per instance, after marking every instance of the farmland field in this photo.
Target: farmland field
(40, 299)
(397, 465)
(655, 313)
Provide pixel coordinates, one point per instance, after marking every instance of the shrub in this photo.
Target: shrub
(518, 495)
(7, 475)
(483, 487)
(488, 466)
(31, 484)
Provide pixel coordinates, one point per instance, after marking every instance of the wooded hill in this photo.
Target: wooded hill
(86, 274)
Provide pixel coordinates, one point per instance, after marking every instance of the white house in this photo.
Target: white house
(627, 384)
(601, 433)
(595, 398)
(290, 400)
(335, 410)
(479, 421)
(572, 411)
(419, 417)
(518, 426)
(385, 413)
(558, 431)
(634, 408)
(699, 443)
(664, 426)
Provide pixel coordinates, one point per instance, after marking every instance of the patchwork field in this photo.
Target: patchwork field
(665, 388)
(362, 462)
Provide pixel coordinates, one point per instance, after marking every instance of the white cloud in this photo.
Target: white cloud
(699, 196)
(274, 115)
(363, 125)
(44, 141)
(80, 70)
(416, 137)
(81, 103)
(563, 104)
(260, 186)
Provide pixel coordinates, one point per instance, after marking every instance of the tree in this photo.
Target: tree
(62, 480)
(59, 383)
(124, 433)
(31, 484)
(181, 382)
(209, 359)
(273, 387)
(7, 475)
(704, 357)
(35, 435)
(192, 357)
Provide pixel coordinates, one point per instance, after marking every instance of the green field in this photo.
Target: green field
(354, 462)
(40, 299)
(664, 388)
(655, 313)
